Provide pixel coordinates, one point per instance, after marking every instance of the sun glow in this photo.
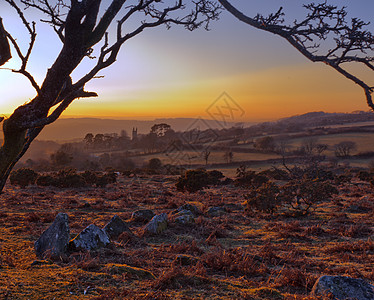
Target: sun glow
(176, 73)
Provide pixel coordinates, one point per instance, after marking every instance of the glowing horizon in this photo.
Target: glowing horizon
(176, 73)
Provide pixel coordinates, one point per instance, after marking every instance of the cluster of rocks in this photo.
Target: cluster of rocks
(56, 242)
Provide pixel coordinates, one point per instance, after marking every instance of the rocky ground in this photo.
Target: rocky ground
(218, 251)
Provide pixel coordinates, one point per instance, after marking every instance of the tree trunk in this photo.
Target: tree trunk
(13, 145)
(5, 54)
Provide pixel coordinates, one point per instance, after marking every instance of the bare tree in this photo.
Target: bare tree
(310, 145)
(80, 26)
(352, 42)
(320, 148)
(228, 156)
(344, 148)
(205, 154)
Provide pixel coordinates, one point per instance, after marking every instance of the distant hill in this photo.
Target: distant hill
(310, 120)
(321, 118)
(76, 128)
(70, 129)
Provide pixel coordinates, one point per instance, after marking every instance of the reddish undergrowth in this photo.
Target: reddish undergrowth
(239, 255)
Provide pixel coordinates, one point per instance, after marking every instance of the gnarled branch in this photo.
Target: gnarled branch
(24, 57)
(353, 43)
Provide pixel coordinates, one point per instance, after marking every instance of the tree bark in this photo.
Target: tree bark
(5, 54)
(14, 142)
(20, 129)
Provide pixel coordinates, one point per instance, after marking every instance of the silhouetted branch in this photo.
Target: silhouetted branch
(80, 30)
(55, 12)
(323, 22)
(24, 58)
(207, 10)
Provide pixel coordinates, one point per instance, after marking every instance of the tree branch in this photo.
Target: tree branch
(322, 22)
(64, 103)
(108, 54)
(24, 58)
(80, 33)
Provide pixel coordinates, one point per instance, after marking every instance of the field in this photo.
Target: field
(363, 140)
(237, 255)
(216, 157)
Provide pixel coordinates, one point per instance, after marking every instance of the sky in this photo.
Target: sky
(176, 73)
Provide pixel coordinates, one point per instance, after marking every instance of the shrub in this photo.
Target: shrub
(107, 178)
(46, 180)
(302, 194)
(214, 177)
(195, 180)
(276, 174)
(266, 198)
(90, 177)
(312, 171)
(344, 178)
(69, 178)
(192, 181)
(23, 177)
(249, 179)
(364, 176)
(155, 164)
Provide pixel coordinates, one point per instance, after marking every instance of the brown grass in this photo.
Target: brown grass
(234, 256)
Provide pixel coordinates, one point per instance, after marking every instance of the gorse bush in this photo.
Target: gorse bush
(297, 195)
(265, 198)
(99, 179)
(69, 178)
(195, 180)
(90, 177)
(311, 171)
(155, 164)
(215, 177)
(302, 194)
(344, 178)
(365, 176)
(249, 179)
(46, 180)
(106, 178)
(23, 177)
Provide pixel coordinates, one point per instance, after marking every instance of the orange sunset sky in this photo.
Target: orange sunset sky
(176, 73)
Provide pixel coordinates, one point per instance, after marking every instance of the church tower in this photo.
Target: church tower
(134, 134)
